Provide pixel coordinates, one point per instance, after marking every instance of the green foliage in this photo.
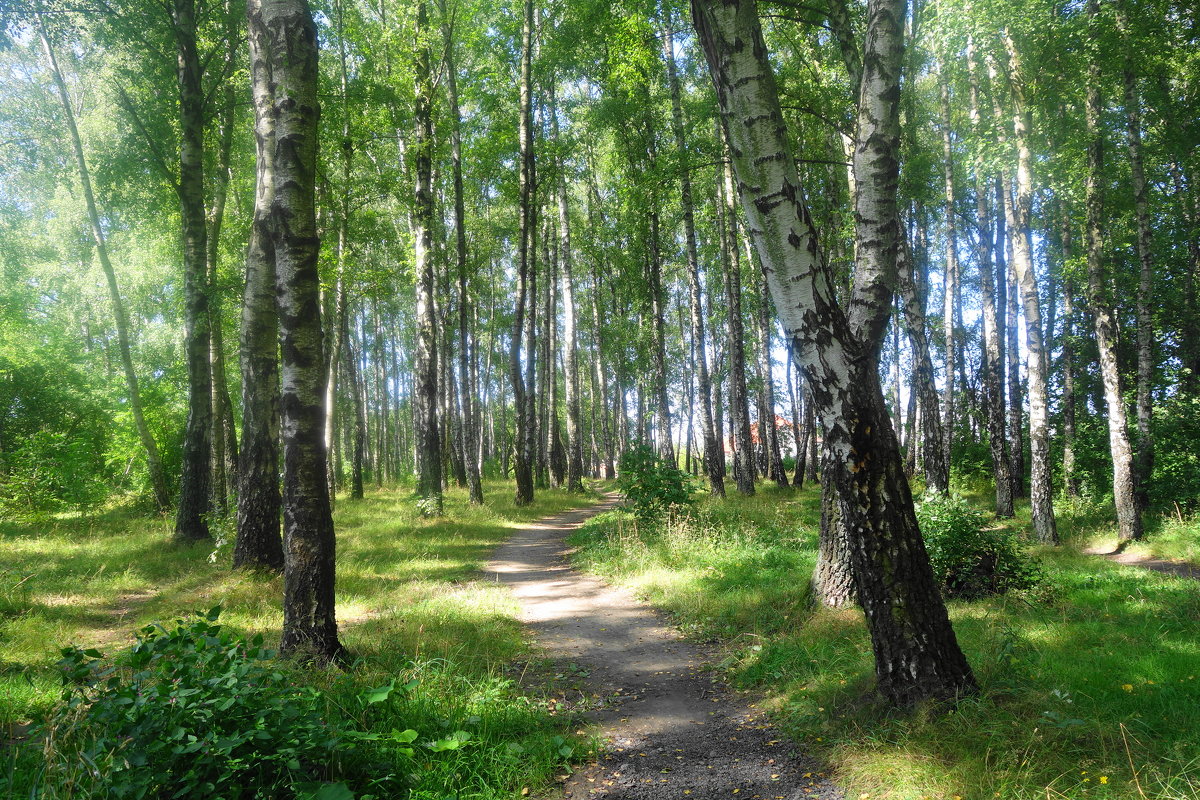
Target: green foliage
(53, 432)
(1177, 453)
(970, 561)
(652, 485)
(191, 711)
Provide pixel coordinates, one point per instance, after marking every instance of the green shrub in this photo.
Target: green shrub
(650, 484)
(1177, 453)
(190, 711)
(968, 560)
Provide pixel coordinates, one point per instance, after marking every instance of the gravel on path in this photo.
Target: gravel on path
(670, 727)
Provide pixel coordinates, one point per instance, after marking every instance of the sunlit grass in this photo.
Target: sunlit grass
(410, 603)
(1097, 670)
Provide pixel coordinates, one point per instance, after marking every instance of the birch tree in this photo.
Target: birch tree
(916, 653)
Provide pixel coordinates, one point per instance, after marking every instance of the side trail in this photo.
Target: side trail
(671, 728)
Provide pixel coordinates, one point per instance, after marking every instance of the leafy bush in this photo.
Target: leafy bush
(968, 560)
(53, 438)
(652, 485)
(191, 711)
(1177, 453)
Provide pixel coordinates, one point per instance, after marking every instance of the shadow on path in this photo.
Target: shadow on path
(671, 728)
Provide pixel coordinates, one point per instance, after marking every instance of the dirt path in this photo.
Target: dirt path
(1176, 568)
(671, 729)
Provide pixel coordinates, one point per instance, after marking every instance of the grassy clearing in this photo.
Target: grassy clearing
(410, 606)
(1090, 683)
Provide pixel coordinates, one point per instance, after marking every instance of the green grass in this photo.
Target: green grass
(411, 607)
(1098, 670)
(1171, 535)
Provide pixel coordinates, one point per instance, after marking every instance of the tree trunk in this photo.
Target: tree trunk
(993, 350)
(574, 450)
(833, 576)
(333, 364)
(523, 466)
(259, 543)
(1071, 482)
(916, 653)
(1145, 319)
(739, 403)
(767, 431)
(798, 441)
(1006, 297)
(158, 478)
(609, 470)
(951, 301)
(358, 454)
(555, 454)
(937, 476)
(662, 402)
(1017, 211)
(309, 626)
(425, 372)
(713, 465)
(191, 516)
(224, 434)
(466, 379)
(336, 341)
(1129, 516)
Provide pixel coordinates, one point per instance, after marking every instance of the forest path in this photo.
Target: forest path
(671, 728)
(1179, 569)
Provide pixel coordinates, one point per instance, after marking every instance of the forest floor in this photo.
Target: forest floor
(414, 610)
(1089, 683)
(672, 727)
(1089, 680)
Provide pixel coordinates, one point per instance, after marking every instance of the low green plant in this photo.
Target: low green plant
(969, 560)
(650, 484)
(190, 711)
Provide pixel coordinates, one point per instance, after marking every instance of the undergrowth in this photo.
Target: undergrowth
(1088, 686)
(431, 648)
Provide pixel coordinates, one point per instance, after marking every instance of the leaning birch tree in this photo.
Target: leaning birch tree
(916, 653)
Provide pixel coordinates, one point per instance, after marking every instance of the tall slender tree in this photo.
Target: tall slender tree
(1129, 516)
(1017, 208)
(713, 463)
(468, 405)
(993, 349)
(739, 403)
(951, 298)
(154, 465)
(309, 623)
(1145, 317)
(522, 399)
(259, 542)
(191, 521)
(425, 396)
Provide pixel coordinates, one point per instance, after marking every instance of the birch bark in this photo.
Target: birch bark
(191, 515)
(1017, 211)
(309, 625)
(259, 542)
(1129, 516)
(916, 653)
(425, 395)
